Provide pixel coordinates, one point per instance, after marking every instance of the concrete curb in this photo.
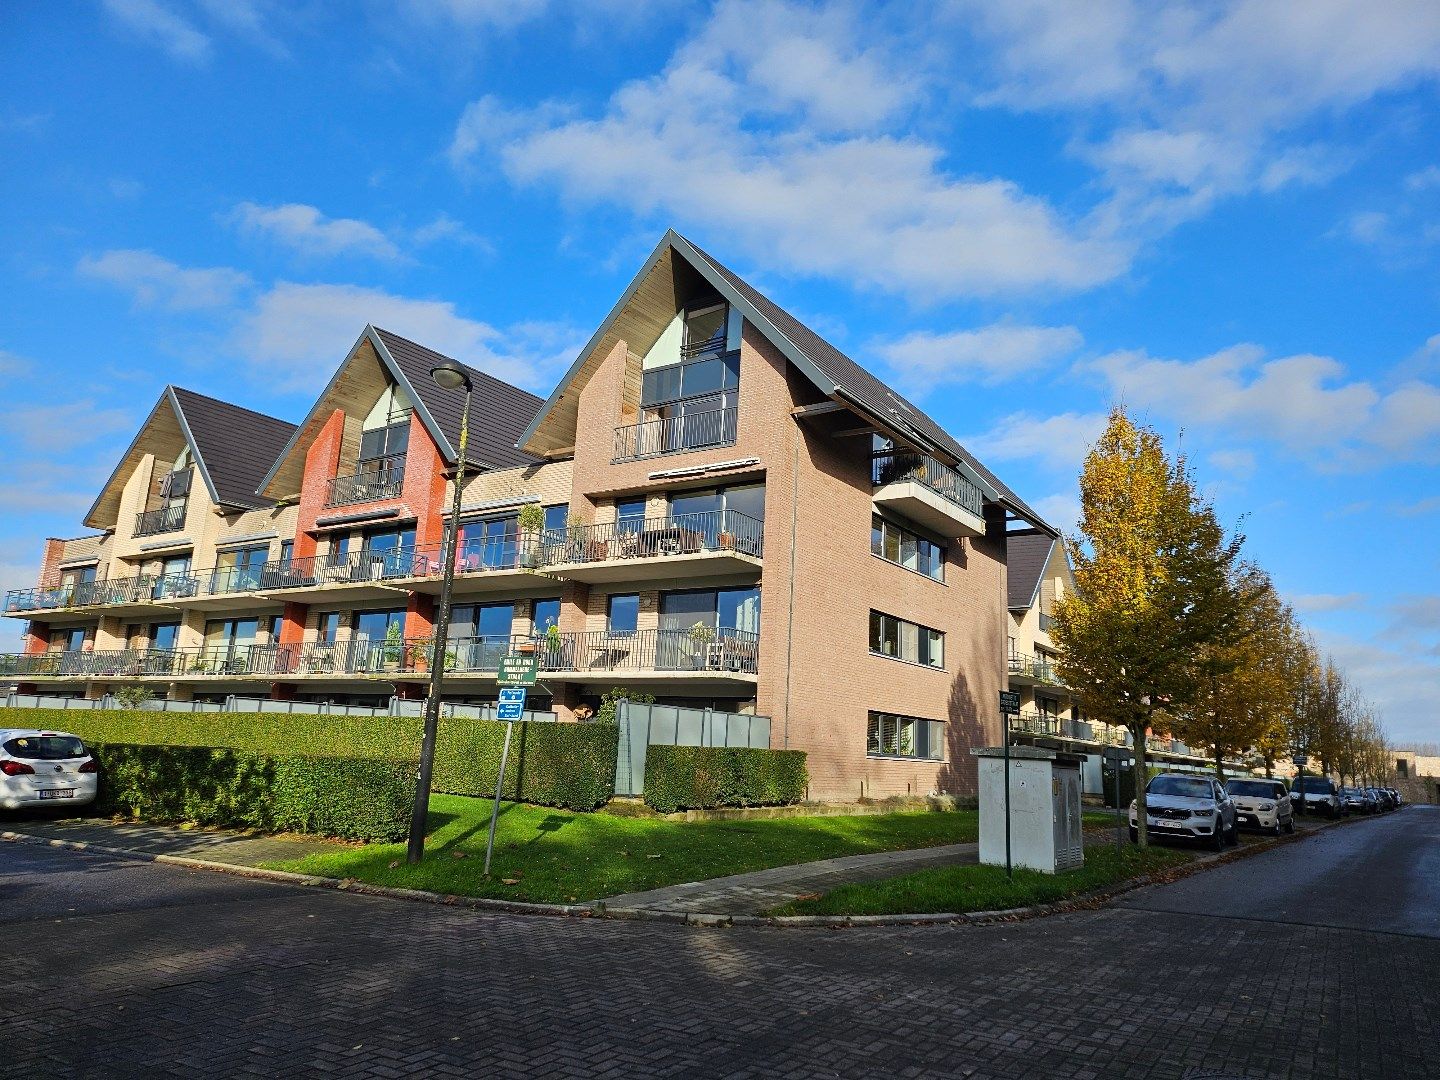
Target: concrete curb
(599, 910)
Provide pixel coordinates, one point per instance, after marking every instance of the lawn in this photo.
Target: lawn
(561, 857)
(984, 888)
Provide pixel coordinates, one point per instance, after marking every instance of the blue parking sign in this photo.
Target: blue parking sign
(512, 703)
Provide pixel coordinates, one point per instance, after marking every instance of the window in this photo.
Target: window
(164, 635)
(339, 550)
(226, 634)
(629, 515)
(238, 569)
(904, 548)
(891, 735)
(902, 640)
(546, 615)
(489, 544)
(489, 621)
(287, 552)
(385, 433)
(556, 517)
(375, 625)
(327, 626)
(623, 613)
(67, 640)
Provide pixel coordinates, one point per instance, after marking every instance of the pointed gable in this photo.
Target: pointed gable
(650, 302)
(231, 446)
(379, 359)
(1026, 556)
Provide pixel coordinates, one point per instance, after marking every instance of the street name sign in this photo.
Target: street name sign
(1009, 703)
(1300, 759)
(512, 703)
(517, 669)
(1119, 754)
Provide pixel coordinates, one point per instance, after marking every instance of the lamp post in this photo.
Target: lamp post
(447, 376)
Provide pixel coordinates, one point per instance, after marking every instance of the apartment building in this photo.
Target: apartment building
(714, 506)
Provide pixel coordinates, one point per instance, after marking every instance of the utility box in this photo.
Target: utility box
(1045, 823)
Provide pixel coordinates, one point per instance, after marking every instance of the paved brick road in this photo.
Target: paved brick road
(121, 969)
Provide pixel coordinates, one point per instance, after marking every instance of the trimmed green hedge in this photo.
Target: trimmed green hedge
(563, 765)
(352, 798)
(707, 777)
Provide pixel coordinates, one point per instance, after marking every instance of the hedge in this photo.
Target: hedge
(707, 777)
(564, 765)
(352, 798)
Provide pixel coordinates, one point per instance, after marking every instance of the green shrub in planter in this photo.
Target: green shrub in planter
(708, 777)
(351, 798)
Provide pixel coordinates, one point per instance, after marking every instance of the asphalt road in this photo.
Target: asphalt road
(114, 968)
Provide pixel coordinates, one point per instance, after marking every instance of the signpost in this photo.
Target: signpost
(1009, 706)
(1300, 761)
(517, 671)
(1118, 757)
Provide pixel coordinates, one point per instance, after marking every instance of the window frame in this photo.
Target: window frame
(610, 614)
(925, 639)
(932, 735)
(882, 528)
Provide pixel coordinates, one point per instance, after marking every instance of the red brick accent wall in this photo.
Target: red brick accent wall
(322, 462)
(50, 562)
(424, 487)
(37, 637)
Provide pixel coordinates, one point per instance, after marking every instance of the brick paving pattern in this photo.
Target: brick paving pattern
(116, 968)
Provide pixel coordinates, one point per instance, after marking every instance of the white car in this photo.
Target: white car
(45, 768)
(1194, 807)
(1261, 804)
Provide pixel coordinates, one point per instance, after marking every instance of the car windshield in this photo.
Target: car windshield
(1186, 786)
(1353, 791)
(1261, 789)
(45, 747)
(1316, 783)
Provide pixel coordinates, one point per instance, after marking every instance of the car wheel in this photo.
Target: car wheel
(1235, 834)
(1290, 826)
(1134, 835)
(1217, 838)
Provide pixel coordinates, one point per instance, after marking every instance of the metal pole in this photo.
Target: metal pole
(415, 851)
(1300, 787)
(499, 783)
(1005, 735)
(1119, 823)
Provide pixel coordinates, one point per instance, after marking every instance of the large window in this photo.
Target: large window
(386, 433)
(623, 613)
(904, 548)
(546, 614)
(239, 569)
(902, 640)
(490, 544)
(891, 735)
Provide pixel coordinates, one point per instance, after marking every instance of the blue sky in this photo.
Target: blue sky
(1224, 215)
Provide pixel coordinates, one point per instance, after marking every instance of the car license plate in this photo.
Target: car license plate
(57, 793)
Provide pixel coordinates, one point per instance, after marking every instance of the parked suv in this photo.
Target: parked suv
(1195, 807)
(1261, 804)
(1320, 796)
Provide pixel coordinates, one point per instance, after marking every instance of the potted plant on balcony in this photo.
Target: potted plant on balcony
(701, 635)
(393, 650)
(532, 525)
(419, 652)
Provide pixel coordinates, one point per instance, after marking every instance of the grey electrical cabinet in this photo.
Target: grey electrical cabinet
(1045, 823)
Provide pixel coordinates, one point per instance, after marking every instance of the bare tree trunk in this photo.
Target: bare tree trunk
(1138, 731)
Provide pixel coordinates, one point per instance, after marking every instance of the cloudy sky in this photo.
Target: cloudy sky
(1224, 215)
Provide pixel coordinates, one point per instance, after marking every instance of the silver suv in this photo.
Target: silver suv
(1261, 803)
(1321, 795)
(1195, 807)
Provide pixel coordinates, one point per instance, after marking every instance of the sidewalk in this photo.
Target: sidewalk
(751, 894)
(237, 849)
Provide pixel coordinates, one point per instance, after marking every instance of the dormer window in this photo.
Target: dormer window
(385, 435)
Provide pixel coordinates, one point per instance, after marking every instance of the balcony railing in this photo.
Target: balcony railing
(893, 467)
(692, 431)
(167, 519)
(365, 487)
(723, 651)
(105, 593)
(1033, 667)
(679, 534)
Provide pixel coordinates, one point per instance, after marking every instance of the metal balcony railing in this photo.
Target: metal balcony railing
(105, 593)
(1033, 667)
(891, 467)
(692, 431)
(679, 534)
(725, 650)
(365, 487)
(166, 519)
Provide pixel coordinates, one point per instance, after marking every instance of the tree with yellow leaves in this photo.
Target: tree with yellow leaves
(1154, 586)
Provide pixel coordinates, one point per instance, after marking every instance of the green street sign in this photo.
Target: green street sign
(517, 669)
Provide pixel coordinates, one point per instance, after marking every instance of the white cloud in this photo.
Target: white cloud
(1304, 402)
(1058, 442)
(14, 366)
(157, 282)
(1423, 179)
(298, 334)
(1237, 463)
(1061, 510)
(308, 232)
(161, 25)
(990, 355)
(476, 14)
(1400, 680)
(770, 126)
(82, 421)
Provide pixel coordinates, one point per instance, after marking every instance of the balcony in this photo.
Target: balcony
(1055, 727)
(118, 596)
(927, 491)
(708, 543)
(1027, 670)
(726, 655)
(167, 519)
(363, 487)
(677, 434)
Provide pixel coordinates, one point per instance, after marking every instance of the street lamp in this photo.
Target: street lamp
(448, 376)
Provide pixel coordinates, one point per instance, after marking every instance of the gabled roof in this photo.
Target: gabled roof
(231, 447)
(237, 446)
(833, 373)
(499, 411)
(1027, 554)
